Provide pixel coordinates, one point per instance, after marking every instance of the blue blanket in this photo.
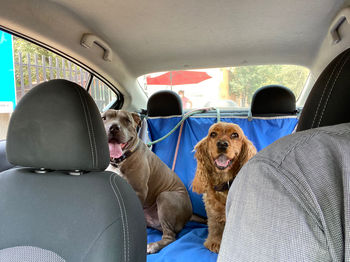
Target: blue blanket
(188, 246)
(261, 131)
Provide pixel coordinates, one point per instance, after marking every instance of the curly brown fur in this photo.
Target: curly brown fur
(220, 156)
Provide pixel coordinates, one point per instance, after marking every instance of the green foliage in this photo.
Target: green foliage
(245, 80)
(25, 47)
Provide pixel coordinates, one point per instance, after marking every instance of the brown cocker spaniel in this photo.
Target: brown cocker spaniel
(220, 156)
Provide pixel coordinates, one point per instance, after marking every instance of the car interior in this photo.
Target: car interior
(57, 201)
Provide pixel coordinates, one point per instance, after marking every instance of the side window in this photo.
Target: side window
(23, 65)
(104, 97)
(34, 65)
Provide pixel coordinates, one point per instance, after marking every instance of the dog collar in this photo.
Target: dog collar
(224, 186)
(116, 161)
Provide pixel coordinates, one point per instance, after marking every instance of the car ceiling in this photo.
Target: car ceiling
(161, 35)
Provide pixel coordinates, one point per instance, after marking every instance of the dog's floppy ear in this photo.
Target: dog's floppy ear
(136, 118)
(103, 116)
(248, 150)
(200, 181)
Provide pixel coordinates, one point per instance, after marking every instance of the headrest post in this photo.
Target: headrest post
(76, 173)
(41, 170)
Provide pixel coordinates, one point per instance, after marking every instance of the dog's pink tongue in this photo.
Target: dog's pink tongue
(222, 161)
(115, 150)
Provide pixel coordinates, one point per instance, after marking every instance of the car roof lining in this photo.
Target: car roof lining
(152, 36)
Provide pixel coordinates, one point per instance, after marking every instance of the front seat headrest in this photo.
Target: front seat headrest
(328, 101)
(57, 126)
(273, 100)
(164, 103)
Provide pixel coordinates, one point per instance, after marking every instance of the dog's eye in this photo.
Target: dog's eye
(234, 135)
(103, 118)
(213, 134)
(127, 120)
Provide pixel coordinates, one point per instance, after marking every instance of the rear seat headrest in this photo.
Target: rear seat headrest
(164, 103)
(273, 100)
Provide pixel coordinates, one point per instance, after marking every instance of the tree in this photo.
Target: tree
(245, 80)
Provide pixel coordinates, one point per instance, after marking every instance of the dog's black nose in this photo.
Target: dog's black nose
(114, 128)
(222, 145)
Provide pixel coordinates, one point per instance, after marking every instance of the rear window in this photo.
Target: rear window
(227, 88)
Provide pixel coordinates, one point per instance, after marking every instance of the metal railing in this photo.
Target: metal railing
(31, 70)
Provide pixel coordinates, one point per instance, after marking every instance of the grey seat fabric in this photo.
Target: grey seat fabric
(20, 254)
(4, 163)
(55, 216)
(291, 202)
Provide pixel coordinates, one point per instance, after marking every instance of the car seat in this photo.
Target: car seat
(60, 204)
(328, 101)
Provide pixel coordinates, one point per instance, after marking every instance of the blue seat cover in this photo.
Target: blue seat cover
(261, 131)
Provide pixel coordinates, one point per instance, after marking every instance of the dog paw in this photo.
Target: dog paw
(213, 246)
(153, 248)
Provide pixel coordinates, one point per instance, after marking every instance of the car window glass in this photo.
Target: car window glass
(227, 88)
(102, 94)
(24, 65)
(35, 64)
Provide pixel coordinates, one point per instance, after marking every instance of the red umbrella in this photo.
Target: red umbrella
(178, 78)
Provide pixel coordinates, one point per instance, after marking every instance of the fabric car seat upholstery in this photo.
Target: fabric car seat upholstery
(60, 204)
(328, 101)
(273, 100)
(164, 103)
(4, 163)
